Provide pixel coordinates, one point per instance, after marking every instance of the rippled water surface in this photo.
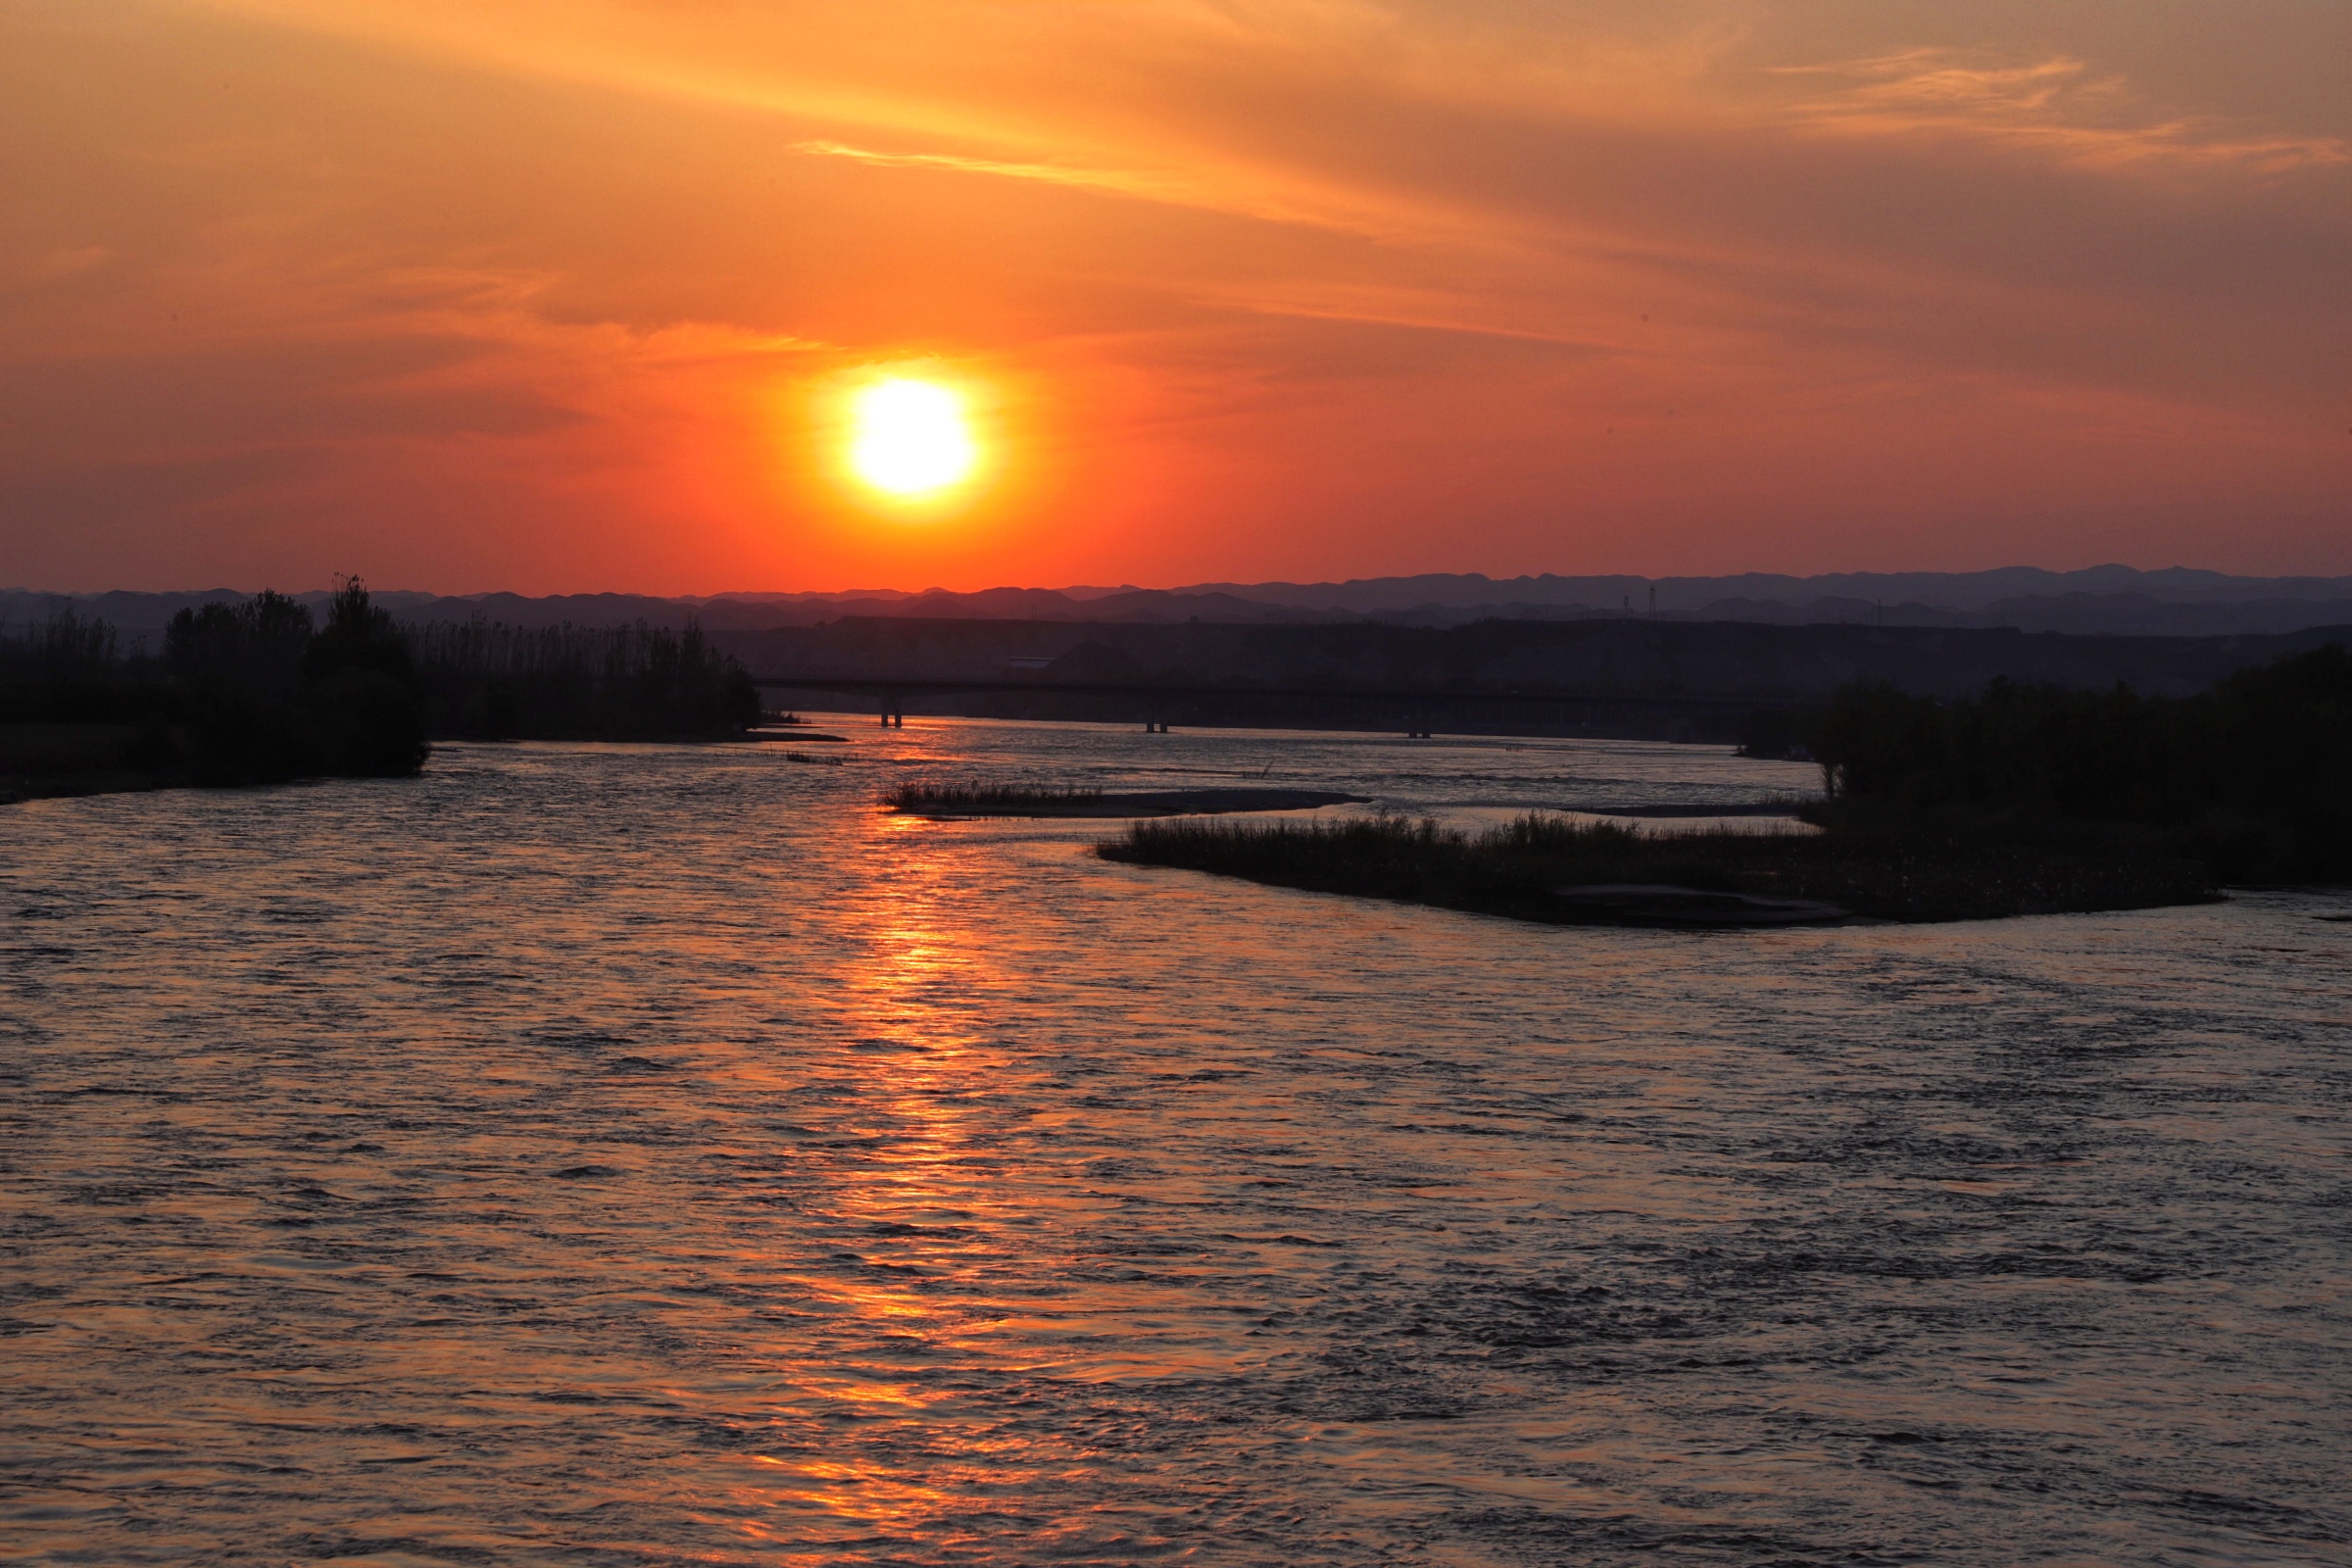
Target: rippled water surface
(614, 1156)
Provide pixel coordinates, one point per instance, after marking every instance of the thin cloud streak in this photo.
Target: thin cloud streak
(2053, 106)
(1124, 185)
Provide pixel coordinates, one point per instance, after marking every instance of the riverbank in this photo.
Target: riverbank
(43, 761)
(1560, 873)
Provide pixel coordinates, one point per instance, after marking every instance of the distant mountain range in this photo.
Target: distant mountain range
(2114, 600)
(1625, 660)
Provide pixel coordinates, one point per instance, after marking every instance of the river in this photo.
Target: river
(598, 1155)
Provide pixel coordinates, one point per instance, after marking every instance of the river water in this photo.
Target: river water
(626, 1154)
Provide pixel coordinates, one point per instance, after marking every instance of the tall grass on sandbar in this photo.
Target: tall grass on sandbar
(1936, 871)
(946, 798)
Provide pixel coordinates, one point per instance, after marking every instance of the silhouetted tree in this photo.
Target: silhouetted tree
(239, 667)
(257, 645)
(267, 698)
(360, 705)
(69, 645)
(490, 681)
(2259, 769)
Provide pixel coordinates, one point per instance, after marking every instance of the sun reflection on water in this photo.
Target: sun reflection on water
(401, 1168)
(916, 1202)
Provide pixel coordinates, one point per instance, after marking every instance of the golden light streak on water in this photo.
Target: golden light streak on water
(640, 1154)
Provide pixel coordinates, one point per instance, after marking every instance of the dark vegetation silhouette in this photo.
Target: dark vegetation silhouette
(70, 671)
(922, 797)
(76, 717)
(249, 693)
(483, 680)
(258, 692)
(976, 798)
(2253, 777)
(265, 697)
(69, 645)
(2023, 800)
(1541, 867)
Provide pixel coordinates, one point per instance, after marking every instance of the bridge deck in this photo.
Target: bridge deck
(923, 685)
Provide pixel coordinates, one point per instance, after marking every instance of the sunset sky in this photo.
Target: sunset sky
(557, 295)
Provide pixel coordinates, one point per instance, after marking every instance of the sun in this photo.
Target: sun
(910, 438)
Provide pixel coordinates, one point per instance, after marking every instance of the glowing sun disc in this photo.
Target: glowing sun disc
(910, 438)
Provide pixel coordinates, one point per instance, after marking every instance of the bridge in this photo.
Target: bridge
(1417, 711)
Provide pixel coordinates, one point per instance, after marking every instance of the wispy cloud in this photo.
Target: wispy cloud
(2056, 105)
(1121, 182)
(1195, 189)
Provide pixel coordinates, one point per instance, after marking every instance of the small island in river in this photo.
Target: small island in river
(1013, 800)
(1562, 871)
(2022, 801)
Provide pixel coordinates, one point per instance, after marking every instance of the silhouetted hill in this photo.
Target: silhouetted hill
(1631, 657)
(2116, 599)
(1844, 595)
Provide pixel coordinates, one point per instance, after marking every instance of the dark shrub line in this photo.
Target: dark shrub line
(2255, 774)
(917, 796)
(68, 645)
(485, 680)
(1923, 872)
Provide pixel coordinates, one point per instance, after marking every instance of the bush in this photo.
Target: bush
(240, 736)
(361, 723)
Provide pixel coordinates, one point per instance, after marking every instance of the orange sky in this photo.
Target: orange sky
(562, 295)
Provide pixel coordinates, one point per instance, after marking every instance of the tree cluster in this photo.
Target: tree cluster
(267, 695)
(2258, 768)
(484, 680)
